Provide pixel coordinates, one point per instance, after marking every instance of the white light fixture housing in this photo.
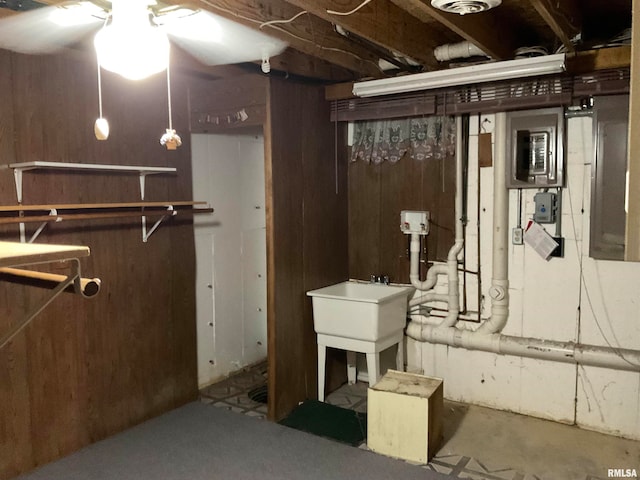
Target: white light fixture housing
(462, 7)
(131, 45)
(486, 72)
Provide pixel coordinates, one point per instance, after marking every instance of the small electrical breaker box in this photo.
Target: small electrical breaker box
(546, 207)
(414, 222)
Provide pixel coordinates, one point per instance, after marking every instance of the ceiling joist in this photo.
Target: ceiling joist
(307, 34)
(485, 31)
(563, 17)
(380, 22)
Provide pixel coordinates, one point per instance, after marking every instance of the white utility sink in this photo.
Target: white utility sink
(361, 311)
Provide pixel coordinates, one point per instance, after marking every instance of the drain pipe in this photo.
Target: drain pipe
(499, 290)
(414, 272)
(452, 51)
(451, 267)
(452, 258)
(486, 338)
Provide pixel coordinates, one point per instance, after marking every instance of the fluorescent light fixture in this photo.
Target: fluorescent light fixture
(486, 72)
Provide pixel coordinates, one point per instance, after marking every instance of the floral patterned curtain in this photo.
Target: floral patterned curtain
(388, 140)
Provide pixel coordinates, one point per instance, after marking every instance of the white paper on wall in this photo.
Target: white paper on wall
(537, 238)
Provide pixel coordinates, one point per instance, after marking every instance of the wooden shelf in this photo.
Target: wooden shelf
(162, 209)
(14, 254)
(142, 171)
(93, 211)
(89, 166)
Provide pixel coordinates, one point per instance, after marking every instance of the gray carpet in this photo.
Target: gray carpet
(198, 442)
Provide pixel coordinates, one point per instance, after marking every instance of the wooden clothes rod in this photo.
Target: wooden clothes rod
(90, 216)
(88, 286)
(91, 206)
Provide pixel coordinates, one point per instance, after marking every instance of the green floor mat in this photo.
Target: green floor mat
(329, 421)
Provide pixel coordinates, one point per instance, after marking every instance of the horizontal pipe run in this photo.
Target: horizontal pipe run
(88, 286)
(565, 352)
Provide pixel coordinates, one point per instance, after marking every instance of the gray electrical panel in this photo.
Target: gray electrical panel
(546, 207)
(535, 148)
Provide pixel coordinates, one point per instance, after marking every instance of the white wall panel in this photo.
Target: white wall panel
(568, 299)
(228, 172)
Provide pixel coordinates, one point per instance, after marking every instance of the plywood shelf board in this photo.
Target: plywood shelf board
(13, 254)
(90, 166)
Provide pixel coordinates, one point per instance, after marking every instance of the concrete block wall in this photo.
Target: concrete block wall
(575, 298)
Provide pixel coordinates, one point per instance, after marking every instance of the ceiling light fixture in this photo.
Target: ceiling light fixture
(486, 72)
(130, 45)
(462, 7)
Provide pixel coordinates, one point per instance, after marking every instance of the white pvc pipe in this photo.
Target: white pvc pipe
(487, 338)
(414, 267)
(429, 296)
(565, 352)
(499, 290)
(452, 258)
(451, 51)
(451, 268)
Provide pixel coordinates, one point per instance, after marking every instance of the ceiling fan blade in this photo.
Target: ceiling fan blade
(48, 29)
(214, 40)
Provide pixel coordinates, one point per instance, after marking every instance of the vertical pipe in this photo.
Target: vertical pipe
(499, 290)
(452, 258)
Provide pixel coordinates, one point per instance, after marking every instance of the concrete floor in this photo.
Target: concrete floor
(486, 444)
(536, 448)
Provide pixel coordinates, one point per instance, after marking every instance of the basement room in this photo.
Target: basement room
(331, 239)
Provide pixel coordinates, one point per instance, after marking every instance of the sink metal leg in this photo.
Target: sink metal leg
(373, 367)
(351, 367)
(322, 358)
(400, 356)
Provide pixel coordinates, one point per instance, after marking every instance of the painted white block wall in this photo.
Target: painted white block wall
(575, 298)
(231, 289)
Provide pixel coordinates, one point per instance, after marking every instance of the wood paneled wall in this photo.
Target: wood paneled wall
(85, 369)
(306, 197)
(306, 234)
(377, 195)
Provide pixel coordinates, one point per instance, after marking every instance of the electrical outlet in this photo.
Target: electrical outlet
(517, 236)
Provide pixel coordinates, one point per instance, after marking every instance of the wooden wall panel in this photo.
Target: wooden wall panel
(85, 369)
(306, 231)
(377, 195)
(364, 220)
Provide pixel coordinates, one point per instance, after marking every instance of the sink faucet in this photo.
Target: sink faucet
(380, 279)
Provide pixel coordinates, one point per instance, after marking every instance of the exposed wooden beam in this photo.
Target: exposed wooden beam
(600, 59)
(380, 22)
(486, 31)
(339, 91)
(6, 12)
(307, 34)
(296, 63)
(563, 17)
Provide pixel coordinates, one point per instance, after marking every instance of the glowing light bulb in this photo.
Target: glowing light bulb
(131, 46)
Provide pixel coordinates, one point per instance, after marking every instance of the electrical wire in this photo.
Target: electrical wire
(275, 22)
(617, 348)
(351, 12)
(99, 89)
(169, 94)
(276, 27)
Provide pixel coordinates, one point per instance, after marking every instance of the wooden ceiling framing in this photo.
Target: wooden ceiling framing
(413, 28)
(328, 46)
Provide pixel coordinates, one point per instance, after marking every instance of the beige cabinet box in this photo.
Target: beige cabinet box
(404, 416)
